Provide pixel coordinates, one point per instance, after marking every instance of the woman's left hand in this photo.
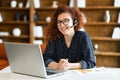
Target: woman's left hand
(63, 64)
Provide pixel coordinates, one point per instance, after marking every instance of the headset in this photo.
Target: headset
(75, 23)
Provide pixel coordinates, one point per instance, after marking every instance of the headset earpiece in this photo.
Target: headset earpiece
(75, 22)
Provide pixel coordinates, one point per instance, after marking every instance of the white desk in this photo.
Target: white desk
(92, 74)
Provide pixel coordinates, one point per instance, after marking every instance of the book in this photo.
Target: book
(38, 41)
(38, 31)
(116, 3)
(1, 40)
(1, 19)
(71, 4)
(81, 3)
(119, 17)
(4, 33)
(37, 3)
(116, 33)
(28, 4)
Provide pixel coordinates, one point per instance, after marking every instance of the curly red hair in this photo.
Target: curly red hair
(52, 31)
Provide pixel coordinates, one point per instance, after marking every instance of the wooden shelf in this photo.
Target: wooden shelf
(42, 22)
(15, 22)
(104, 39)
(45, 8)
(13, 9)
(11, 36)
(99, 7)
(102, 23)
(102, 53)
(40, 37)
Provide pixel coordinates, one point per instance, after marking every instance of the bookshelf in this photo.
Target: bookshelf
(10, 22)
(108, 53)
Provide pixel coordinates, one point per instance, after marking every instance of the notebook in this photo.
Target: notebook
(28, 59)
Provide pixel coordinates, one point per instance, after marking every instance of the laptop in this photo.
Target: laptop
(28, 59)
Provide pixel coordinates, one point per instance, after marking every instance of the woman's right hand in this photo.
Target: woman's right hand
(63, 64)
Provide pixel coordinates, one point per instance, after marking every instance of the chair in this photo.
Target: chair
(3, 58)
(43, 46)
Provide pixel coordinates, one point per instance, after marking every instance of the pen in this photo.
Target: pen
(66, 59)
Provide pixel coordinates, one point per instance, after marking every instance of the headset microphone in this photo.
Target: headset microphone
(75, 22)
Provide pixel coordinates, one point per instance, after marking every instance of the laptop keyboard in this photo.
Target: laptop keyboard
(49, 73)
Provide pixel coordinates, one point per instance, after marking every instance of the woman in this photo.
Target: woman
(68, 48)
